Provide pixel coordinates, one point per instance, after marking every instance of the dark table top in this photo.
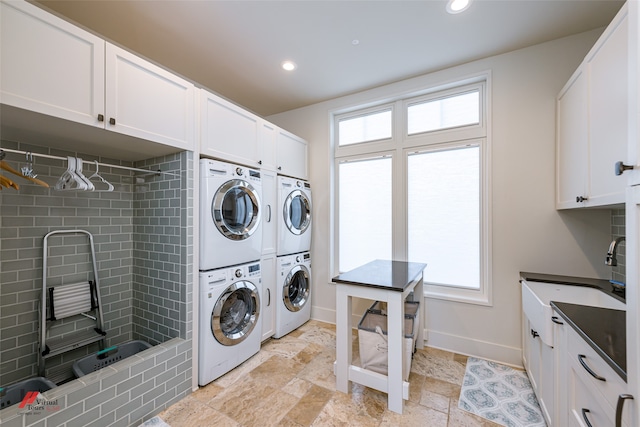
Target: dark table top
(602, 328)
(383, 274)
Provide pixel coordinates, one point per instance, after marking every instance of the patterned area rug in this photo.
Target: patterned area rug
(154, 422)
(500, 394)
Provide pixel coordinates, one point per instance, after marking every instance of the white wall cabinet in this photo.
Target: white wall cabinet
(228, 132)
(49, 65)
(291, 155)
(52, 67)
(268, 139)
(268, 297)
(592, 124)
(148, 102)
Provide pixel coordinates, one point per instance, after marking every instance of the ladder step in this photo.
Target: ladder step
(59, 345)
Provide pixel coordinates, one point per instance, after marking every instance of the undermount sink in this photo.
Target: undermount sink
(536, 298)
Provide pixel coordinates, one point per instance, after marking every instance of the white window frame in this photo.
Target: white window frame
(399, 146)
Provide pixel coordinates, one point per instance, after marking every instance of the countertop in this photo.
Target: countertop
(383, 274)
(603, 329)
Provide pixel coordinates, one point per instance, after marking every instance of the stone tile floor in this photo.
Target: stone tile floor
(290, 382)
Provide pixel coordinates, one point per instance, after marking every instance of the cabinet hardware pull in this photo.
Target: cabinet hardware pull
(581, 358)
(101, 117)
(279, 168)
(619, 408)
(268, 297)
(580, 199)
(259, 162)
(585, 411)
(112, 121)
(269, 211)
(555, 320)
(534, 334)
(621, 167)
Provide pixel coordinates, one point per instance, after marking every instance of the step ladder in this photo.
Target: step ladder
(67, 300)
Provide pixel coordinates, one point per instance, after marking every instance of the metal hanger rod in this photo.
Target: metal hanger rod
(48, 156)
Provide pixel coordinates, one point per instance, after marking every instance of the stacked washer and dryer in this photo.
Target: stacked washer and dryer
(293, 283)
(230, 276)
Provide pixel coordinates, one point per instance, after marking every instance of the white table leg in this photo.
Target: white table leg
(395, 331)
(343, 338)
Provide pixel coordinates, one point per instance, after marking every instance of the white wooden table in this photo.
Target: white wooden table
(380, 280)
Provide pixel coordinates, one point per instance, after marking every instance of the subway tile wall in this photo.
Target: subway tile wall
(618, 229)
(142, 233)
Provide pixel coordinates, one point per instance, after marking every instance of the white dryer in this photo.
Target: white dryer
(294, 223)
(293, 292)
(230, 327)
(230, 226)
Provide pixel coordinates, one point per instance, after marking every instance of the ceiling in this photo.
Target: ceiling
(235, 48)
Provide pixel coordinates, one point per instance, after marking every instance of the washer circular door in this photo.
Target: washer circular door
(295, 292)
(297, 212)
(236, 313)
(235, 209)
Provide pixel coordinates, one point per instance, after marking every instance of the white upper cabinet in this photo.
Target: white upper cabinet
(592, 124)
(572, 146)
(228, 132)
(146, 101)
(291, 155)
(49, 65)
(268, 137)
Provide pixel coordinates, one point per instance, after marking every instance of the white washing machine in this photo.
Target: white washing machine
(294, 223)
(230, 226)
(293, 292)
(230, 327)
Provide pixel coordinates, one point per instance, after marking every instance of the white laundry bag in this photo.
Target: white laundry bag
(372, 339)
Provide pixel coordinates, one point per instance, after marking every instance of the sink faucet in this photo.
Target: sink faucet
(611, 255)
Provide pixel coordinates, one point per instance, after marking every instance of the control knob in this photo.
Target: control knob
(238, 273)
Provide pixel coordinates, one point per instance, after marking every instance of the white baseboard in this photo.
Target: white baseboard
(511, 356)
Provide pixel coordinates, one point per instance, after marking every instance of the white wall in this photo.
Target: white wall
(528, 233)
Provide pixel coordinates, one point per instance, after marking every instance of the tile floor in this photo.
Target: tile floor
(290, 382)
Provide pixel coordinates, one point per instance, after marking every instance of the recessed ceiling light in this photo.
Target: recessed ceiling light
(288, 65)
(355, 42)
(457, 6)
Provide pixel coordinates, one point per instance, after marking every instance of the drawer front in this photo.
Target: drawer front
(585, 402)
(611, 388)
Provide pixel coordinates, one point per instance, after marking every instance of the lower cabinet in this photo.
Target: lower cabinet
(539, 362)
(267, 299)
(573, 384)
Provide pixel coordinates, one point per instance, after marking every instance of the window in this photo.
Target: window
(365, 211)
(444, 215)
(372, 126)
(420, 192)
(444, 113)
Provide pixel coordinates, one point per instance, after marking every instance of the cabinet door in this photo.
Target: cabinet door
(572, 142)
(269, 211)
(146, 101)
(228, 132)
(291, 155)
(50, 66)
(608, 97)
(268, 297)
(268, 137)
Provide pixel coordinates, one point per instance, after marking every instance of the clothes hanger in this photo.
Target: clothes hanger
(78, 171)
(96, 175)
(69, 179)
(6, 182)
(5, 166)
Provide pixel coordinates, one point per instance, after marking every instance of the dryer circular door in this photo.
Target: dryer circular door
(236, 313)
(295, 292)
(235, 209)
(297, 212)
